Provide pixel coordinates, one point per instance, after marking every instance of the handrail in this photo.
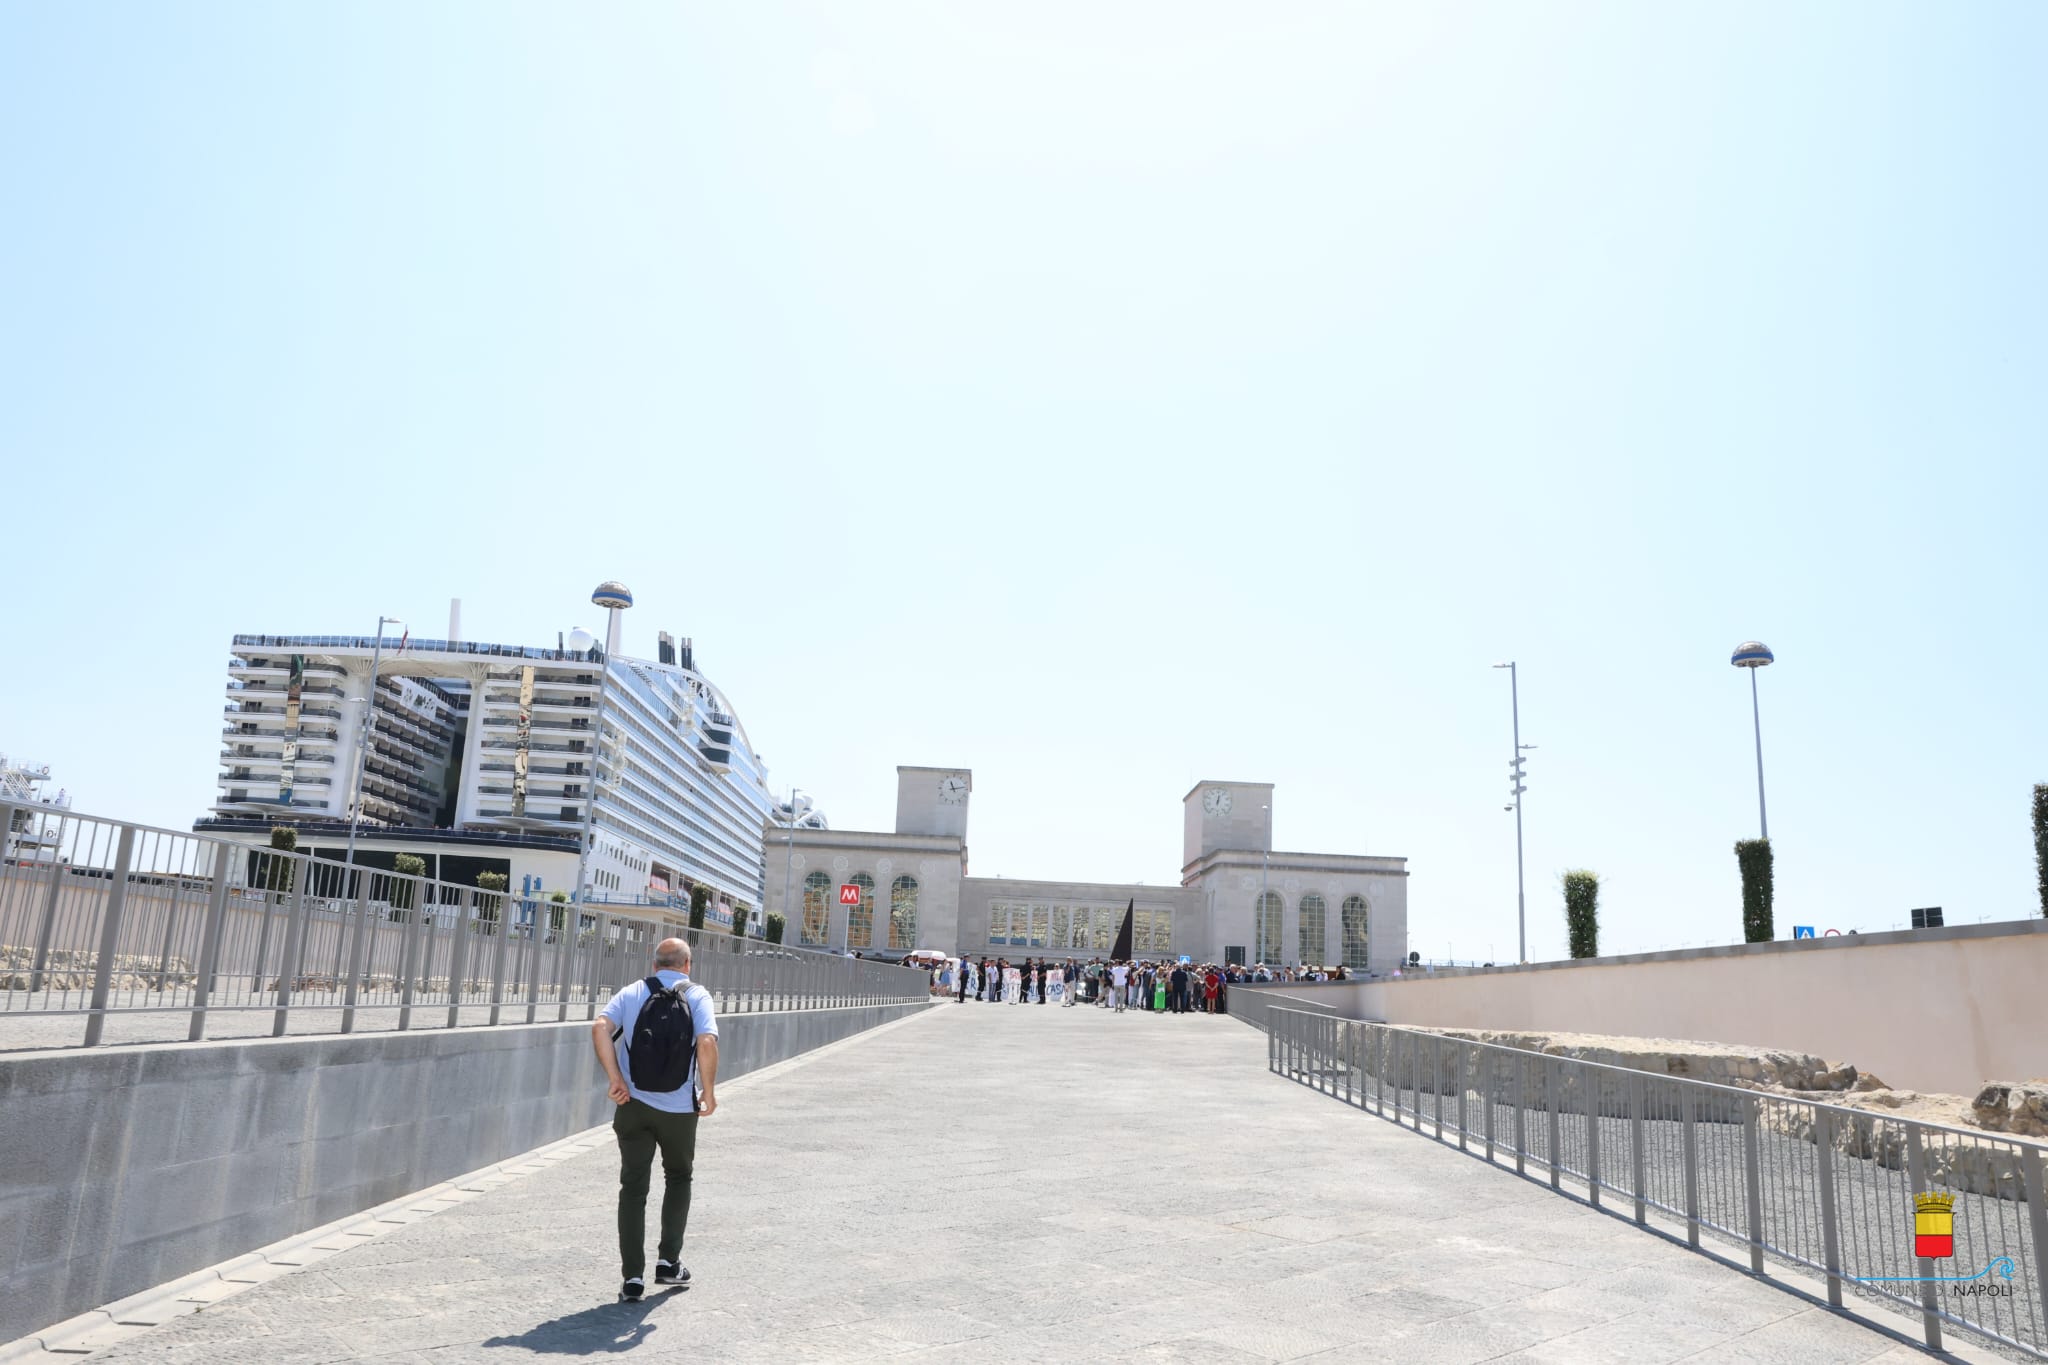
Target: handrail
(1844, 1192)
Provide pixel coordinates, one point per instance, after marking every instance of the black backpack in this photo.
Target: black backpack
(664, 1042)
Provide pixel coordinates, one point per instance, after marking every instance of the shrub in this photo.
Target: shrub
(1582, 912)
(739, 920)
(2041, 841)
(493, 885)
(403, 889)
(700, 901)
(282, 874)
(773, 926)
(1754, 856)
(558, 913)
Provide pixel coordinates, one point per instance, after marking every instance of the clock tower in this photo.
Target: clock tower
(933, 800)
(1220, 815)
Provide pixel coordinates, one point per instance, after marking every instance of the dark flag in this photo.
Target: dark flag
(1122, 951)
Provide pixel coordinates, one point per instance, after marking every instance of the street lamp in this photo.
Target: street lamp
(1515, 776)
(355, 800)
(1752, 655)
(796, 813)
(1265, 857)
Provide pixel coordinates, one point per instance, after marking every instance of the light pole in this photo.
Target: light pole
(1515, 776)
(1752, 655)
(355, 799)
(789, 860)
(604, 668)
(1265, 854)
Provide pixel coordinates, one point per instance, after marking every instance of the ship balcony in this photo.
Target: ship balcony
(258, 668)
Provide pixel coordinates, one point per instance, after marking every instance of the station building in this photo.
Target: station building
(1239, 899)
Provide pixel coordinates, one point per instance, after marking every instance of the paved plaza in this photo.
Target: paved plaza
(995, 1183)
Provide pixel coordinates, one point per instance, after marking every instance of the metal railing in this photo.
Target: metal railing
(112, 921)
(1822, 1187)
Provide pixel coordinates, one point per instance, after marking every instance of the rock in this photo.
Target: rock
(2012, 1107)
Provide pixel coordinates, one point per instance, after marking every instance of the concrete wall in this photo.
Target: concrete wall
(1929, 1009)
(127, 1167)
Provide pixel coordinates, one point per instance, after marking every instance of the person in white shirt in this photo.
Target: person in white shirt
(659, 1102)
(1119, 975)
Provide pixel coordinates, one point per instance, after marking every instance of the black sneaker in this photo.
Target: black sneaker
(671, 1272)
(630, 1291)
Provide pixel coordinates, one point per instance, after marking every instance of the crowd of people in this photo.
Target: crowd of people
(1171, 987)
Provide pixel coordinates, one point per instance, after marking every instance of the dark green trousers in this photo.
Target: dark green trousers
(641, 1129)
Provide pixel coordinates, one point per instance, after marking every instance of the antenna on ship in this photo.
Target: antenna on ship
(614, 597)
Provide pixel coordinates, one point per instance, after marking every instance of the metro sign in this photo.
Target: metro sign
(849, 894)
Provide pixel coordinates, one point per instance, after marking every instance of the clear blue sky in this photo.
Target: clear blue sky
(1099, 397)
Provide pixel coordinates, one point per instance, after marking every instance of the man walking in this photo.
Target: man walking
(1041, 981)
(964, 969)
(657, 1041)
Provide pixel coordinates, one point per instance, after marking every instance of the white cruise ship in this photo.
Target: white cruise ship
(482, 757)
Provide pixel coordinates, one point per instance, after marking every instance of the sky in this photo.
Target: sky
(1101, 398)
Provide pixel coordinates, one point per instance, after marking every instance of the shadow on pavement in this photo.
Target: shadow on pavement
(593, 1331)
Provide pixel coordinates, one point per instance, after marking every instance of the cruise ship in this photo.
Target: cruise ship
(486, 757)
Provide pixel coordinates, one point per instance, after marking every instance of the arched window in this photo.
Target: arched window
(1266, 928)
(860, 919)
(1355, 917)
(1314, 944)
(817, 925)
(903, 914)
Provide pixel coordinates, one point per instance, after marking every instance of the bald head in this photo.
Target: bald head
(673, 954)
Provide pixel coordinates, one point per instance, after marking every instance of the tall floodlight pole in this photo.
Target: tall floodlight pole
(1515, 775)
(1265, 855)
(614, 597)
(789, 860)
(1752, 655)
(355, 796)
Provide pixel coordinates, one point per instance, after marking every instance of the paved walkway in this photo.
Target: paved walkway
(995, 1183)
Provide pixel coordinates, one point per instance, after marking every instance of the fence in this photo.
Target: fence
(1848, 1193)
(115, 921)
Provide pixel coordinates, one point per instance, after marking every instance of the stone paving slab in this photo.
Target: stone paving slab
(1010, 1183)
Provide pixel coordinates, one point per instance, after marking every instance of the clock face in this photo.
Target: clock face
(953, 789)
(1216, 801)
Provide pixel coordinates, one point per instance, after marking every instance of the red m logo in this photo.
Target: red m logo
(849, 894)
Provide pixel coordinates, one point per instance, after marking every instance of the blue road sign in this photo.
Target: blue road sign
(1802, 931)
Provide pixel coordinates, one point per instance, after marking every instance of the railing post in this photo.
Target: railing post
(1830, 1234)
(535, 941)
(1436, 1083)
(408, 958)
(358, 949)
(1550, 1106)
(1521, 1113)
(599, 950)
(1464, 1124)
(1486, 1096)
(502, 928)
(288, 966)
(1689, 1136)
(46, 926)
(565, 957)
(110, 936)
(1589, 1091)
(1916, 1179)
(1753, 1181)
(1379, 1070)
(209, 943)
(458, 954)
(1638, 1094)
(2034, 1174)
